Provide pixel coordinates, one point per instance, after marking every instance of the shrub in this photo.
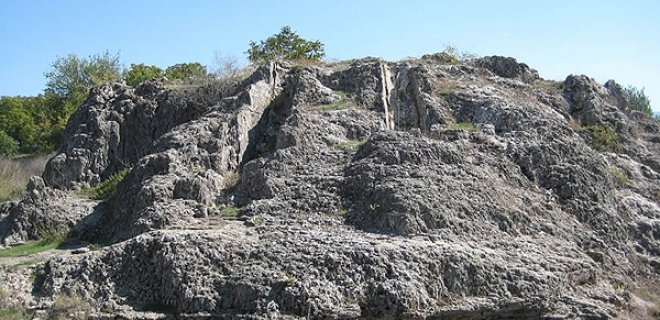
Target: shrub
(286, 45)
(636, 99)
(230, 212)
(139, 73)
(108, 187)
(603, 138)
(231, 181)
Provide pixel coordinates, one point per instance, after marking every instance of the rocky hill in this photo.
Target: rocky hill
(421, 189)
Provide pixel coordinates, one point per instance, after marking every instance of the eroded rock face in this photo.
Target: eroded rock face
(369, 189)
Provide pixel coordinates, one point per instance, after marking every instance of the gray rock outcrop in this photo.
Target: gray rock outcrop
(423, 189)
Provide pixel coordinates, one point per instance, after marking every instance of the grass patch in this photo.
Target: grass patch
(602, 138)
(621, 176)
(14, 313)
(107, 188)
(351, 145)
(343, 103)
(230, 212)
(339, 105)
(69, 307)
(446, 88)
(461, 126)
(15, 173)
(45, 244)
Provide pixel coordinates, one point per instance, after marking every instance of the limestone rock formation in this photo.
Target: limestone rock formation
(421, 189)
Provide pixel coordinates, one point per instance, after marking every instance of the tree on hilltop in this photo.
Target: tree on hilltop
(286, 45)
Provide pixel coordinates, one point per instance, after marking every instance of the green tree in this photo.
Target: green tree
(139, 73)
(286, 45)
(16, 121)
(8, 146)
(71, 77)
(187, 72)
(637, 100)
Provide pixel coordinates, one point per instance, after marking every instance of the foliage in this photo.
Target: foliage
(139, 73)
(8, 146)
(187, 72)
(464, 126)
(603, 138)
(14, 313)
(351, 145)
(286, 45)
(455, 56)
(621, 176)
(70, 76)
(231, 181)
(108, 187)
(636, 99)
(45, 244)
(230, 212)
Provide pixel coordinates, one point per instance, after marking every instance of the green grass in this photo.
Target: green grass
(351, 145)
(107, 188)
(339, 105)
(14, 313)
(343, 103)
(44, 244)
(464, 126)
(230, 212)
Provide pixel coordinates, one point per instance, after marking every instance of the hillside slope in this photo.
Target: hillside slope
(425, 189)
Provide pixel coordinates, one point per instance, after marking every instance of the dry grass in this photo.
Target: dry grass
(69, 307)
(15, 173)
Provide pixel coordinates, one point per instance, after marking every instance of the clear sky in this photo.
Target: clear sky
(603, 39)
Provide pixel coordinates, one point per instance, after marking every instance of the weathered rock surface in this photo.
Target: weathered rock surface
(421, 189)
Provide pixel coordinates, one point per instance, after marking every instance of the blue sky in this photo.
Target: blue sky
(603, 39)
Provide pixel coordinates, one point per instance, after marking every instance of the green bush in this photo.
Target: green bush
(139, 73)
(286, 45)
(108, 187)
(603, 138)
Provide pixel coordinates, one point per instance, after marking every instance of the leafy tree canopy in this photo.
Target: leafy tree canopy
(637, 100)
(286, 45)
(187, 72)
(72, 76)
(139, 73)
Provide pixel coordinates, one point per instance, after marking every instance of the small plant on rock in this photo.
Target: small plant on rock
(461, 126)
(351, 145)
(230, 212)
(603, 138)
(108, 187)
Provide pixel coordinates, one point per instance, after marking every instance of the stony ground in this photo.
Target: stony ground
(422, 189)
